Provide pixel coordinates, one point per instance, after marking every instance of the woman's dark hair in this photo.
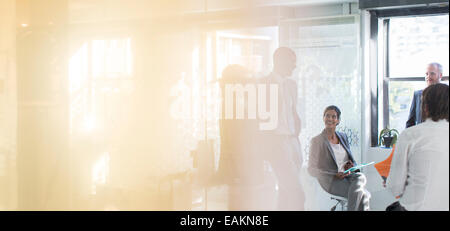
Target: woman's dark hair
(335, 108)
(435, 102)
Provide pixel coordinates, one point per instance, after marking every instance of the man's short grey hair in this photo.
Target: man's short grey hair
(439, 67)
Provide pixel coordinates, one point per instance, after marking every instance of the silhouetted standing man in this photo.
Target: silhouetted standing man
(281, 146)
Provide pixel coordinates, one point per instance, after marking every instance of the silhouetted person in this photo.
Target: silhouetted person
(281, 146)
(240, 165)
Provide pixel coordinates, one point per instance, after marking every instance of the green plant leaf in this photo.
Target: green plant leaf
(395, 131)
(382, 133)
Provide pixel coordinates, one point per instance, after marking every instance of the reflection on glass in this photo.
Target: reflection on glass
(328, 65)
(100, 171)
(250, 48)
(328, 74)
(99, 101)
(111, 58)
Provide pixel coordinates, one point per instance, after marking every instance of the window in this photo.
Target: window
(112, 58)
(409, 44)
(415, 41)
(100, 71)
(101, 85)
(252, 50)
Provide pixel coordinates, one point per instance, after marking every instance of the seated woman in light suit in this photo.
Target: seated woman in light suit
(330, 156)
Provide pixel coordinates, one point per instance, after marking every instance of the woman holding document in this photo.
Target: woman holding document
(329, 158)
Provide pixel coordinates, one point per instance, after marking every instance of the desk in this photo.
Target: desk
(381, 197)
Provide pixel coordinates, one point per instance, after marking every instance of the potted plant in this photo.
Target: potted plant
(388, 137)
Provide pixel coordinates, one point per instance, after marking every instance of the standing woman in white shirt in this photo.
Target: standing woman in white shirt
(419, 174)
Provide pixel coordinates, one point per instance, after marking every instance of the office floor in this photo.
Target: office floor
(217, 197)
(210, 199)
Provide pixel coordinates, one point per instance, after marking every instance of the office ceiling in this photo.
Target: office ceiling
(197, 4)
(92, 10)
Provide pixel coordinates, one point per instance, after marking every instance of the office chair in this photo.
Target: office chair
(342, 201)
(335, 201)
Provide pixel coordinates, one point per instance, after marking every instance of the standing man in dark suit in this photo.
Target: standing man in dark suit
(433, 76)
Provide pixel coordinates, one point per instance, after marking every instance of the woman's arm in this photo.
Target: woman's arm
(315, 151)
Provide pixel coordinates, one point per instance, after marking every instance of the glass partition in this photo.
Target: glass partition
(328, 73)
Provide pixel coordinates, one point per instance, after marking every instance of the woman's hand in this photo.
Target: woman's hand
(348, 165)
(342, 175)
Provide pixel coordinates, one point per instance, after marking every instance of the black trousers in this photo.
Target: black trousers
(396, 206)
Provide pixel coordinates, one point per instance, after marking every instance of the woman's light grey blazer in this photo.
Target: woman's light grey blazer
(322, 162)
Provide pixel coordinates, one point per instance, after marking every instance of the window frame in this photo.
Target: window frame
(379, 29)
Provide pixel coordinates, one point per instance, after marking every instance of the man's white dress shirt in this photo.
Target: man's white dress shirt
(286, 120)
